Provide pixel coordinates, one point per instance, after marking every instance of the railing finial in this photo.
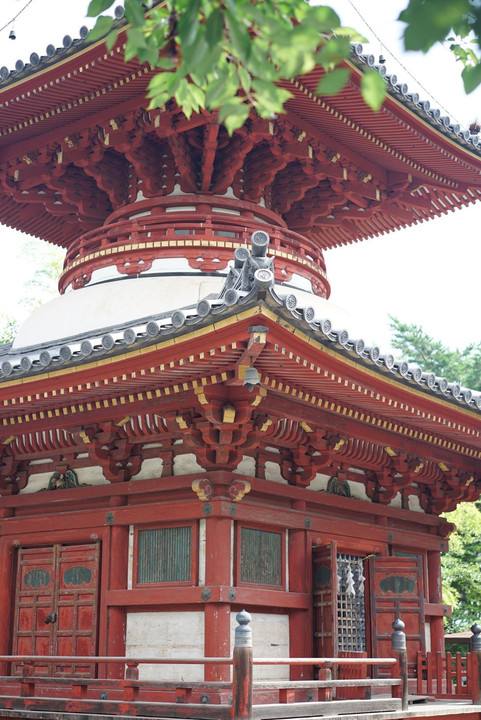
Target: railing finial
(398, 645)
(243, 633)
(398, 637)
(475, 640)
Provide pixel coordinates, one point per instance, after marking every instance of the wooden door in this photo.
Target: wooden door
(56, 606)
(397, 591)
(325, 600)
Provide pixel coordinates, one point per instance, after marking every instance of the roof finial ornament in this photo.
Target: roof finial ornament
(250, 269)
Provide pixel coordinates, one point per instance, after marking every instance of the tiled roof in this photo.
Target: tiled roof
(37, 63)
(242, 290)
(396, 88)
(423, 108)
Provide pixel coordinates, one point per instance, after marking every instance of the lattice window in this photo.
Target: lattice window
(351, 606)
(164, 555)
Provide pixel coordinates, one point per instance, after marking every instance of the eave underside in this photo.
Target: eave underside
(331, 168)
(315, 412)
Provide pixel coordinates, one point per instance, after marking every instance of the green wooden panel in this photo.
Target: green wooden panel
(261, 557)
(164, 555)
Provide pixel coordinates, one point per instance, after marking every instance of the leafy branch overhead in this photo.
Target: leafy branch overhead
(234, 56)
(456, 21)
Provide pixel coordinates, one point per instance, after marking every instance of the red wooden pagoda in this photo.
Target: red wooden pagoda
(189, 429)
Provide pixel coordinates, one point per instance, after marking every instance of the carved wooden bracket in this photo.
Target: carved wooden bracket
(119, 458)
(444, 496)
(14, 472)
(219, 431)
(235, 490)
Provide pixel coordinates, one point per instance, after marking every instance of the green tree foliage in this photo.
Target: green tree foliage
(8, 328)
(461, 568)
(457, 21)
(46, 261)
(415, 345)
(232, 56)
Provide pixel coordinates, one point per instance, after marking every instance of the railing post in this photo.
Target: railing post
(27, 685)
(475, 664)
(131, 670)
(131, 675)
(242, 669)
(398, 645)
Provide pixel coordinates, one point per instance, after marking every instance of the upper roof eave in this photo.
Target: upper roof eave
(420, 112)
(148, 334)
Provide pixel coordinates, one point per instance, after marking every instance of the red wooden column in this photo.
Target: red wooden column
(7, 558)
(300, 621)
(217, 574)
(117, 572)
(435, 597)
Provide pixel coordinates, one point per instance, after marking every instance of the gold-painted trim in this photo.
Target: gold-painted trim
(161, 244)
(324, 105)
(198, 385)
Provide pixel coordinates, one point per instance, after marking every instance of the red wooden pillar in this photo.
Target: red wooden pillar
(435, 597)
(300, 621)
(217, 615)
(116, 620)
(7, 558)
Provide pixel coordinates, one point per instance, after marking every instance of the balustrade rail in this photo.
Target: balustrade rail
(447, 677)
(241, 699)
(201, 239)
(123, 692)
(451, 676)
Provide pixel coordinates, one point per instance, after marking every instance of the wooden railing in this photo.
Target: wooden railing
(448, 677)
(452, 676)
(241, 699)
(189, 699)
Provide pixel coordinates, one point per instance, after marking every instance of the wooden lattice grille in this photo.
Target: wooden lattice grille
(351, 606)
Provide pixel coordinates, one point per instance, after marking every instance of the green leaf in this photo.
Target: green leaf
(101, 28)
(189, 24)
(333, 82)
(111, 39)
(221, 89)
(135, 44)
(238, 35)
(269, 98)
(333, 52)
(471, 77)
(207, 61)
(134, 13)
(373, 89)
(233, 116)
(430, 21)
(98, 6)
(214, 27)
(198, 94)
(351, 33)
(244, 78)
(323, 18)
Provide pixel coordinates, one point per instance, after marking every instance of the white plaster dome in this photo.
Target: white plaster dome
(107, 305)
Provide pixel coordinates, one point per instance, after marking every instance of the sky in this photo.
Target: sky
(426, 275)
